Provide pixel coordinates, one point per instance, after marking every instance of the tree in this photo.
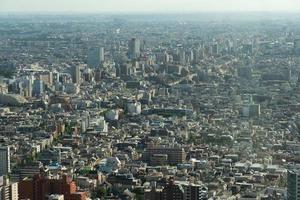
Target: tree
(99, 192)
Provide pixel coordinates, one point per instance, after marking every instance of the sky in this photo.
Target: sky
(114, 6)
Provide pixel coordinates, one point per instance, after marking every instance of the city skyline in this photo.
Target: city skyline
(149, 99)
(137, 6)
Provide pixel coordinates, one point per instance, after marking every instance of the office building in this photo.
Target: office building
(76, 74)
(215, 49)
(134, 108)
(124, 70)
(46, 77)
(5, 160)
(293, 184)
(134, 48)
(27, 88)
(182, 56)
(297, 46)
(96, 56)
(98, 74)
(251, 110)
(174, 155)
(37, 88)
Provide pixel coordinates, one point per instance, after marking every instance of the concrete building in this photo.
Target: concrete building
(56, 197)
(76, 74)
(46, 77)
(96, 56)
(134, 48)
(134, 108)
(8, 191)
(40, 187)
(293, 186)
(173, 191)
(5, 160)
(195, 192)
(297, 45)
(174, 155)
(37, 88)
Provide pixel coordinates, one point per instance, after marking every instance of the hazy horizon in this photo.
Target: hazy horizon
(148, 6)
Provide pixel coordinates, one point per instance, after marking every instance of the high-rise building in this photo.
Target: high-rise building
(98, 74)
(5, 160)
(134, 47)
(76, 74)
(27, 88)
(124, 70)
(215, 49)
(13, 191)
(4, 189)
(96, 56)
(8, 191)
(46, 77)
(293, 184)
(297, 46)
(37, 88)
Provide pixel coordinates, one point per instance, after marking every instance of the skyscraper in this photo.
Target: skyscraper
(5, 160)
(293, 186)
(37, 88)
(182, 56)
(96, 56)
(215, 49)
(134, 47)
(76, 74)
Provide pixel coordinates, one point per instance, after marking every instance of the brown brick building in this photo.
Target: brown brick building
(39, 187)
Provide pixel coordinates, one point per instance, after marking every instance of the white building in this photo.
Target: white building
(56, 197)
(14, 192)
(134, 108)
(8, 191)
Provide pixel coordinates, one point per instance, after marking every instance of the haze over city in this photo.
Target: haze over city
(149, 99)
(148, 5)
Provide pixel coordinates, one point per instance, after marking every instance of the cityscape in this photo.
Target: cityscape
(150, 106)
